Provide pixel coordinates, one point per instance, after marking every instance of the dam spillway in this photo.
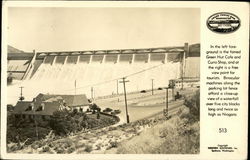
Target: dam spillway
(80, 71)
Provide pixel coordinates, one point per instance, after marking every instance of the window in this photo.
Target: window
(40, 108)
(30, 108)
(81, 110)
(75, 110)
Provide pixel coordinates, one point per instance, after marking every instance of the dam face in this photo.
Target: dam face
(100, 71)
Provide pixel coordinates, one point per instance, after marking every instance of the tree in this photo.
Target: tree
(95, 108)
(65, 122)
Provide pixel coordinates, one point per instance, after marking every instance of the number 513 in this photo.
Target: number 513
(222, 130)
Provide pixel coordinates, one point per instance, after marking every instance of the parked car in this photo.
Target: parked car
(117, 111)
(107, 110)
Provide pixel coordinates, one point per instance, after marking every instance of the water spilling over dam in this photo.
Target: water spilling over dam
(97, 73)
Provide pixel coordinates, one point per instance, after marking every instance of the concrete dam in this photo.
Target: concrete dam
(98, 72)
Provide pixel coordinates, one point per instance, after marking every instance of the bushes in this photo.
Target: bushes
(171, 137)
(178, 135)
(95, 108)
(100, 123)
(88, 148)
(193, 103)
(65, 122)
(19, 130)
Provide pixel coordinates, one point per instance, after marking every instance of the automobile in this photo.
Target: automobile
(117, 111)
(159, 88)
(107, 110)
(143, 91)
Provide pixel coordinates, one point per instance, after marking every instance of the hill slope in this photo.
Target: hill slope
(14, 50)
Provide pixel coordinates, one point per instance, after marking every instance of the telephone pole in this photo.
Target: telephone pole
(117, 85)
(21, 98)
(185, 54)
(152, 86)
(172, 85)
(166, 101)
(126, 105)
(92, 93)
(75, 87)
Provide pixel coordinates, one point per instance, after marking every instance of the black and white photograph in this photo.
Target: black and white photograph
(103, 80)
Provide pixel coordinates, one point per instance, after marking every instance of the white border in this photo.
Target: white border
(205, 8)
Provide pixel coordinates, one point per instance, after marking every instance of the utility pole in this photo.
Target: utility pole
(152, 86)
(126, 106)
(117, 85)
(172, 85)
(34, 116)
(182, 74)
(185, 54)
(75, 87)
(21, 98)
(92, 93)
(167, 102)
(173, 93)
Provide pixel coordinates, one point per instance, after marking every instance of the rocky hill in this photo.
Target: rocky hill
(14, 50)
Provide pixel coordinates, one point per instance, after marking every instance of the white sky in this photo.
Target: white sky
(72, 29)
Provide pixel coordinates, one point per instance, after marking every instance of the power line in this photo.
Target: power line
(108, 81)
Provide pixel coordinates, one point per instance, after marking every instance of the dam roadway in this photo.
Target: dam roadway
(143, 105)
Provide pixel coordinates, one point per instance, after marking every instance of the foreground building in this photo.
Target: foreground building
(44, 105)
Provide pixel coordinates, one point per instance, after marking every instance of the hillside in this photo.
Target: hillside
(176, 134)
(14, 50)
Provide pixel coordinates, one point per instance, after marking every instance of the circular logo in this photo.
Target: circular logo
(223, 22)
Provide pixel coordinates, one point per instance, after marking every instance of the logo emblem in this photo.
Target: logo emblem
(223, 22)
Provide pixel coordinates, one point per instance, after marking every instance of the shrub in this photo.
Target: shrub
(193, 103)
(65, 122)
(113, 144)
(88, 148)
(46, 149)
(174, 136)
(94, 107)
(70, 150)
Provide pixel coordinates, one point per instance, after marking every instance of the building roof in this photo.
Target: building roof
(50, 104)
(70, 100)
(49, 107)
(21, 106)
(75, 100)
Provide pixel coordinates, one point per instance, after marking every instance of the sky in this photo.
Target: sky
(73, 29)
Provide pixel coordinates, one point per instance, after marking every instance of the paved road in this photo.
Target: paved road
(142, 106)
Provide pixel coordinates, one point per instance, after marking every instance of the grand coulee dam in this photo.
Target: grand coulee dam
(97, 73)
